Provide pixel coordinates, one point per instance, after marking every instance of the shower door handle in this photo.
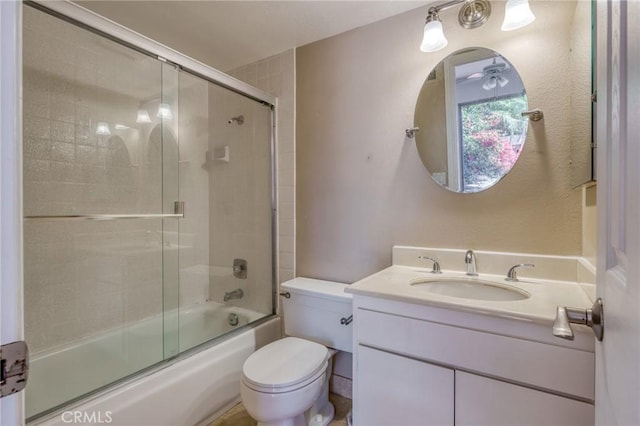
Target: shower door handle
(107, 217)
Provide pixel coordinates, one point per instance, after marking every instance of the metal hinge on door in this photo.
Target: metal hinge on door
(14, 367)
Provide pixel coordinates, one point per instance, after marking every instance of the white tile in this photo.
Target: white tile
(275, 84)
(286, 177)
(286, 274)
(286, 194)
(263, 69)
(287, 244)
(286, 228)
(286, 211)
(275, 65)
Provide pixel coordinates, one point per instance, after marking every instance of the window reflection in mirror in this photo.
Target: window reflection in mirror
(469, 113)
(493, 133)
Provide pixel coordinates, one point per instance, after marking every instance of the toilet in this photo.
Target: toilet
(286, 383)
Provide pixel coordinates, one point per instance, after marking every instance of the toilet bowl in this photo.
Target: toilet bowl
(286, 383)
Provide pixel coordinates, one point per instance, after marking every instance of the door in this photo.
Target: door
(618, 129)
(11, 407)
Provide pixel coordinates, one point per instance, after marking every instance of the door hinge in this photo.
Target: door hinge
(14, 367)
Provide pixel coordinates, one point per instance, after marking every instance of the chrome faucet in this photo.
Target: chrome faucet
(512, 275)
(436, 265)
(235, 294)
(470, 260)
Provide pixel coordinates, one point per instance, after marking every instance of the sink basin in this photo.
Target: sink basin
(470, 289)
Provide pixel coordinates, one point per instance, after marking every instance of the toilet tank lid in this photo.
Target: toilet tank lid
(317, 288)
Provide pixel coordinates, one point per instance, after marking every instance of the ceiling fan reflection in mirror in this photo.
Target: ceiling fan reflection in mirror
(492, 75)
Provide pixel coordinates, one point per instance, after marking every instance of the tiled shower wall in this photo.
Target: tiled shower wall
(276, 75)
(239, 165)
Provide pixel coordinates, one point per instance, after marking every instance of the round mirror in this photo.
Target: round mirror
(469, 112)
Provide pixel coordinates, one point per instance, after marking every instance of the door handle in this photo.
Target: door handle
(592, 317)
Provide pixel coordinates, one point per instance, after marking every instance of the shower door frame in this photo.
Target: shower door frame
(11, 238)
(119, 33)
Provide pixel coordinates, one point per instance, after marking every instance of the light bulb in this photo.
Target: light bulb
(164, 112)
(503, 81)
(517, 14)
(489, 84)
(433, 38)
(103, 128)
(143, 116)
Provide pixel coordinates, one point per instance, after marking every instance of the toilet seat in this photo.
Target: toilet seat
(285, 365)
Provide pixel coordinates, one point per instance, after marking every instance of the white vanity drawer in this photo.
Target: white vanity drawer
(556, 368)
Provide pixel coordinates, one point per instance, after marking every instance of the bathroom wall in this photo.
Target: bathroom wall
(276, 75)
(360, 184)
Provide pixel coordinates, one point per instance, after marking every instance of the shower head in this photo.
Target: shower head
(238, 120)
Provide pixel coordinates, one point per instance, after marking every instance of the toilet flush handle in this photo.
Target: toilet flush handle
(347, 320)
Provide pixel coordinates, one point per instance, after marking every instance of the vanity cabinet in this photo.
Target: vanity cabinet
(480, 401)
(390, 384)
(420, 365)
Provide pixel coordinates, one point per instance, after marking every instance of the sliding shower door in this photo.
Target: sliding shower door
(148, 202)
(100, 182)
(226, 263)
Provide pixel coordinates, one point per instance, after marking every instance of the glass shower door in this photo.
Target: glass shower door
(225, 176)
(100, 176)
(117, 145)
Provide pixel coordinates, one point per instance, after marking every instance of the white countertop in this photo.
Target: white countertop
(393, 283)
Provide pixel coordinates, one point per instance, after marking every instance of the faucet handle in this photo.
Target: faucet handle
(436, 265)
(512, 275)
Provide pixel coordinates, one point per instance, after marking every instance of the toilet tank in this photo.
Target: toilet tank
(319, 311)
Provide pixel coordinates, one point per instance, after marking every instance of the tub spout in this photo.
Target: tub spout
(235, 294)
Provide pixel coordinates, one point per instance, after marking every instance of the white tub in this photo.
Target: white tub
(188, 391)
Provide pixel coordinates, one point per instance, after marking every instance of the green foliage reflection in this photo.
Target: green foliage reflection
(493, 133)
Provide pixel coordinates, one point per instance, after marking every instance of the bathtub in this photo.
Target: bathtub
(191, 389)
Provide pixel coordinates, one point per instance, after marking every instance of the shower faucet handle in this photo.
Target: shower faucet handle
(240, 268)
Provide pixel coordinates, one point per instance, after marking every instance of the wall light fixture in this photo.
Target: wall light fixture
(517, 14)
(472, 14)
